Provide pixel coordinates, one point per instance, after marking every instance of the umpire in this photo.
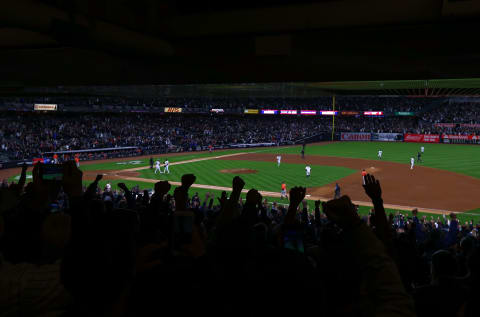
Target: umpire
(151, 162)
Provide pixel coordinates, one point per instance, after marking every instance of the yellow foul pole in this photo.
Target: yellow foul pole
(333, 117)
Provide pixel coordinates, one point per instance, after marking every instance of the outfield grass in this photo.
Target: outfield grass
(269, 177)
(464, 159)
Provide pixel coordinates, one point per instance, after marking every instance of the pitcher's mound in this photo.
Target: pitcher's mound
(238, 171)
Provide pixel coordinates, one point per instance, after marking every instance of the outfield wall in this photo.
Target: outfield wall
(410, 137)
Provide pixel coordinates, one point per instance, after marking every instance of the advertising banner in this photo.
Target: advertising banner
(251, 111)
(173, 110)
(44, 107)
(453, 125)
(308, 112)
(470, 125)
(217, 110)
(421, 138)
(356, 136)
(269, 111)
(445, 125)
(373, 113)
(404, 113)
(349, 113)
(387, 137)
(329, 113)
(288, 111)
(455, 138)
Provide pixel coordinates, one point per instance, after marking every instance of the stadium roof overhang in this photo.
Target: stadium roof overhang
(417, 88)
(145, 42)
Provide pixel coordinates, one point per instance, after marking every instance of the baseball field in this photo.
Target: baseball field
(447, 180)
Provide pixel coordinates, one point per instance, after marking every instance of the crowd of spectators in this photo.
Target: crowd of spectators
(24, 135)
(67, 250)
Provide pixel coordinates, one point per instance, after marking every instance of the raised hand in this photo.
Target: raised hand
(237, 184)
(342, 212)
(223, 199)
(122, 186)
(372, 188)
(297, 194)
(72, 179)
(17, 189)
(98, 178)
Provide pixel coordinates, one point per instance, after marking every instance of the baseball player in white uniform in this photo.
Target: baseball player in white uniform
(157, 167)
(422, 149)
(380, 152)
(166, 170)
(412, 162)
(279, 159)
(308, 169)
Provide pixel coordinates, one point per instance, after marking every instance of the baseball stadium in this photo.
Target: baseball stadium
(259, 157)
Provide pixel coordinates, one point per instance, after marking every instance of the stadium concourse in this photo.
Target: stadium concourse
(70, 249)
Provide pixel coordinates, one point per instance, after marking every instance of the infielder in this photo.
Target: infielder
(412, 162)
(422, 149)
(380, 152)
(157, 167)
(308, 169)
(166, 170)
(279, 158)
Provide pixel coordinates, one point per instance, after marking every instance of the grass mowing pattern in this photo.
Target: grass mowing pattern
(463, 159)
(268, 177)
(146, 161)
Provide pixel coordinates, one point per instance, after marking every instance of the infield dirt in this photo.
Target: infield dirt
(421, 187)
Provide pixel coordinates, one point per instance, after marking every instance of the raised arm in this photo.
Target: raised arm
(297, 194)
(230, 210)
(374, 191)
(385, 292)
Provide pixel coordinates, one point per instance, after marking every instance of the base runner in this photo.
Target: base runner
(283, 193)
